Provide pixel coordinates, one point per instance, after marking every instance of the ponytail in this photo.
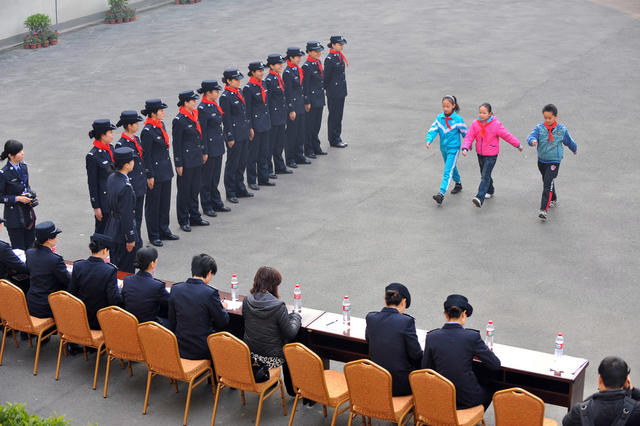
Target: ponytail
(453, 100)
(11, 147)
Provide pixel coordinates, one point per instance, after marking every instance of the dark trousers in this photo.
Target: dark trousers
(123, 259)
(100, 225)
(334, 120)
(21, 238)
(313, 123)
(156, 210)
(277, 138)
(209, 194)
(257, 158)
(138, 215)
(294, 149)
(234, 169)
(189, 185)
(549, 172)
(486, 162)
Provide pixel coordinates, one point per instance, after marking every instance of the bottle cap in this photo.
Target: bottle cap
(560, 334)
(234, 276)
(297, 285)
(346, 297)
(490, 322)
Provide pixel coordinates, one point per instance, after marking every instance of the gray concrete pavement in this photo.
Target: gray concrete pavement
(362, 217)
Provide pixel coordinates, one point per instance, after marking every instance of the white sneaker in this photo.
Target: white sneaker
(477, 202)
(554, 203)
(487, 196)
(542, 215)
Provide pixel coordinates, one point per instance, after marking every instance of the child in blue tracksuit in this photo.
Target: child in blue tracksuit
(449, 126)
(549, 138)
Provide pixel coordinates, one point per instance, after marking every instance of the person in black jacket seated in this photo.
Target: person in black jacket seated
(392, 338)
(616, 402)
(47, 270)
(450, 351)
(99, 163)
(11, 266)
(94, 281)
(17, 196)
(144, 296)
(195, 310)
(267, 324)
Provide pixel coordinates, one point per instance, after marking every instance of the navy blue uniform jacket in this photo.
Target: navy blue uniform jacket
(257, 109)
(335, 80)
(9, 261)
(99, 167)
(187, 142)
(95, 282)
(122, 202)
(393, 344)
(313, 84)
(235, 119)
(145, 297)
(450, 351)
(195, 311)
(276, 100)
(12, 184)
(211, 124)
(157, 162)
(47, 274)
(138, 176)
(293, 90)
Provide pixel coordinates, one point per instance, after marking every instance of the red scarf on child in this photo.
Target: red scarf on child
(257, 82)
(310, 59)
(158, 124)
(133, 139)
(292, 65)
(280, 83)
(236, 91)
(207, 101)
(193, 116)
(446, 120)
(550, 129)
(342, 58)
(100, 145)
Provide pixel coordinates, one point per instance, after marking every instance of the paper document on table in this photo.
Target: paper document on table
(567, 365)
(21, 255)
(232, 306)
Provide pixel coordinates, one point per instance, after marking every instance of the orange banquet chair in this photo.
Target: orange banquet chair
(15, 317)
(70, 314)
(312, 381)
(120, 330)
(516, 406)
(232, 363)
(370, 394)
(160, 350)
(435, 399)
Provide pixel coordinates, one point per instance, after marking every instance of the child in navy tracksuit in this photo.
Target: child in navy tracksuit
(449, 126)
(549, 138)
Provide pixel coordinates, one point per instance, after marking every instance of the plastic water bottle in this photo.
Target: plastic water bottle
(489, 331)
(297, 298)
(559, 345)
(234, 287)
(346, 311)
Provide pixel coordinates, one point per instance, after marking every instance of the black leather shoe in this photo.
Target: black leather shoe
(292, 165)
(340, 145)
(254, 187)
(311, 155)
(273, 176)
(185, 228)
(157, 243)
(222, 209)
(200, 222)
(303, 161)
(284, 172)
(210, 213)
(267, 184)
(321, 152)
(170, 237)
(246, 194)
(233, 200)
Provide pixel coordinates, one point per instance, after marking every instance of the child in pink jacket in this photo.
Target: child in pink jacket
(487, 131)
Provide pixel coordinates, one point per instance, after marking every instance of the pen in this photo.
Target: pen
(328, 324)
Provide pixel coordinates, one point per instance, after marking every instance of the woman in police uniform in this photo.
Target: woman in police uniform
(335, 84)
(277, 113)
(313, 88)
(293, 78)
(99, 162)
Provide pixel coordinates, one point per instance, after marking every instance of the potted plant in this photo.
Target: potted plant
(38, 25)
(132, 14)
(53, 38)
(119, 12)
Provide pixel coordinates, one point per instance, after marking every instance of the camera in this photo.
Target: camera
(32, 196)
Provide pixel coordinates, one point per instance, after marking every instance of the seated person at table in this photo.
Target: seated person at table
(450, 351)
(47, 270)
(616, 402)
(95, 281)
(195, 310)
(11, 265)
(267, 324)
(393, 343)
(144, 296)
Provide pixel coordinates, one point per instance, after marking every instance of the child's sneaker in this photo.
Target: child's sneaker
(477, 202)
(553, 203)
(457, 188)
(438, 198)
(542, 215)
(487, 196)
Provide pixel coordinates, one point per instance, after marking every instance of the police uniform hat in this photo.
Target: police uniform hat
(102, 125)
(402, 290)
(337, 39)
(294, 51)
(231, 74)
(187, 95)
(275, 58)
(255, 66)
(152, 105)
(46, 231)
(128, 117)
(102, 239)
(314, 46)
(209, 85)
(459, 301)
(122, 155)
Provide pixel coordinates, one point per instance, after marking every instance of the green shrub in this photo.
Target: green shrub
(17, 415)
(38, 22)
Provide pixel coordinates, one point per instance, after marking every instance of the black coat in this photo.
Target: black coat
(335, 81)
(145, 297)
(393, 344)
(95, 282)
(210, 120)
(267, 324)
(187, 142)
(313, 84)
(157, 162)
(235, 119)
(605, 407)
(293, 90)
(47, 274)
(121, 226)
(195, 311)
(99, 167)
(450, 351)
(138, 176)
(257, 109)
(276, 100)
(10, 264)
(12, 184)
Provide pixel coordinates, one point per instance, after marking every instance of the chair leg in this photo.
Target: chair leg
(483, 422)
(30, 342)
(324, 410)
(259, 409)
(242, 398)
(146, 395)
(284, 404)
(35, 364)
(335, 415)
(175, 385)
(106, 377)
(215, 402)
(130, 369)
(84, 351)
(122, 363)
(293, 409)
(62, 342)
(351, 415)
(95, 375)
(186, 409)
(4, 339)
(15, 339)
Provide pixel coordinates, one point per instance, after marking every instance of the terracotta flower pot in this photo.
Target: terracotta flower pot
(39, 45)
(113, 21)
(46, 43)
(119, 20)
(54, 41)
(133, 18)
(177, 1)
(126, 19)
(27, 46)
(192, 1)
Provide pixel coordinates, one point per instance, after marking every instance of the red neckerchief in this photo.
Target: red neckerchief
(133, 139)
(446, 120)
(341, 55)
(159, 125)
(236, 91)
(193, 116)
(310, 59)
(257, 82)
(280, 83)
(550, 128)
(100, 145)
(207, 101)
(483, 133)
(292, 65)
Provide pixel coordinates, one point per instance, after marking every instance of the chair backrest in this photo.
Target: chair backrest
(13, 306)
(70, 315)
(363, 376)
(307, 372)
(232, 360)
(434, 396)
(160, 349)
(517, 406)
(120, 330)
